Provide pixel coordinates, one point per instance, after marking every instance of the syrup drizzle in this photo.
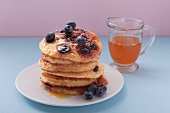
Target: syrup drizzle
(60, 96)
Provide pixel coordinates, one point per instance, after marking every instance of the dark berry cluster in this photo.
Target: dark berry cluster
(94, 90)
(93, 47)
(80, 38)
(86, 49)
(69, 27)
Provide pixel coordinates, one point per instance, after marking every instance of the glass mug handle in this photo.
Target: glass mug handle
(151, 40)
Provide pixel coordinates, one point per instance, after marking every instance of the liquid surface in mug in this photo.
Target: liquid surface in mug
(125, 49)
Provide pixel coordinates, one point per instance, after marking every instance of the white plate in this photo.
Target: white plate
(28, 84)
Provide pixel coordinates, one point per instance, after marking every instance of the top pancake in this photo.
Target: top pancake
(75, 54)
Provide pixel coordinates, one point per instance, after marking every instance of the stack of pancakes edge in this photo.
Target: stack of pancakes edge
(71, 72)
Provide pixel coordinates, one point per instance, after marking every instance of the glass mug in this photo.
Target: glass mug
(125, 42)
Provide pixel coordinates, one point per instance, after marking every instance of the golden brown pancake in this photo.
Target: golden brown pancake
(85, 74)
(75, 54)
(71, 90)
(80, 67)
(63, 90)
(64, 81)
(57, 60)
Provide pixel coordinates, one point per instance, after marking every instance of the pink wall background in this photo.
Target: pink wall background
(38, 17)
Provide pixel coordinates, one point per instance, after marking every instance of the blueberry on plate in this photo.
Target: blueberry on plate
(72, 24)
(50, 37)
(63, 48)
(92, 88)
(99, 92)
(68, 29)
(81, 40)
(104, 87)
(88, 95)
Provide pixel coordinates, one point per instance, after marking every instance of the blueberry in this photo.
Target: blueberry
(68, 29)
(63, 48)
(81, 40)
(96, 69)
(103, 87)
(93, 47)
(50, 37)
(72, 24)
(92, 88)
(88, 95)
(85, 50)
(99, 92)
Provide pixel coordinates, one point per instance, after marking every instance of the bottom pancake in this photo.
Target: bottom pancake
(65, 81)
(71, 90)
(64, 90)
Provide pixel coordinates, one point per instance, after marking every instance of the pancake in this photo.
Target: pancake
(85, 74)
(57, 60)
(89, 52)
(63, 90)
(64, 81)
(66, 68)
(69, 61)
(71, 90)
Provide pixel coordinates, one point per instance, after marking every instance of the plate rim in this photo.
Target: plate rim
(68, 105)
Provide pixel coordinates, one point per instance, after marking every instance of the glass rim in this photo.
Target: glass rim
(123, 28)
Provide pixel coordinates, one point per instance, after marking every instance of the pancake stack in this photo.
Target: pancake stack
(69, 61)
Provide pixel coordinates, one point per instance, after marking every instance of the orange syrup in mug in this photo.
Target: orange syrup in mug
(125, 49)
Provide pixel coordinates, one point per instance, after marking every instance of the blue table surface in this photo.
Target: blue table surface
(145, 91)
